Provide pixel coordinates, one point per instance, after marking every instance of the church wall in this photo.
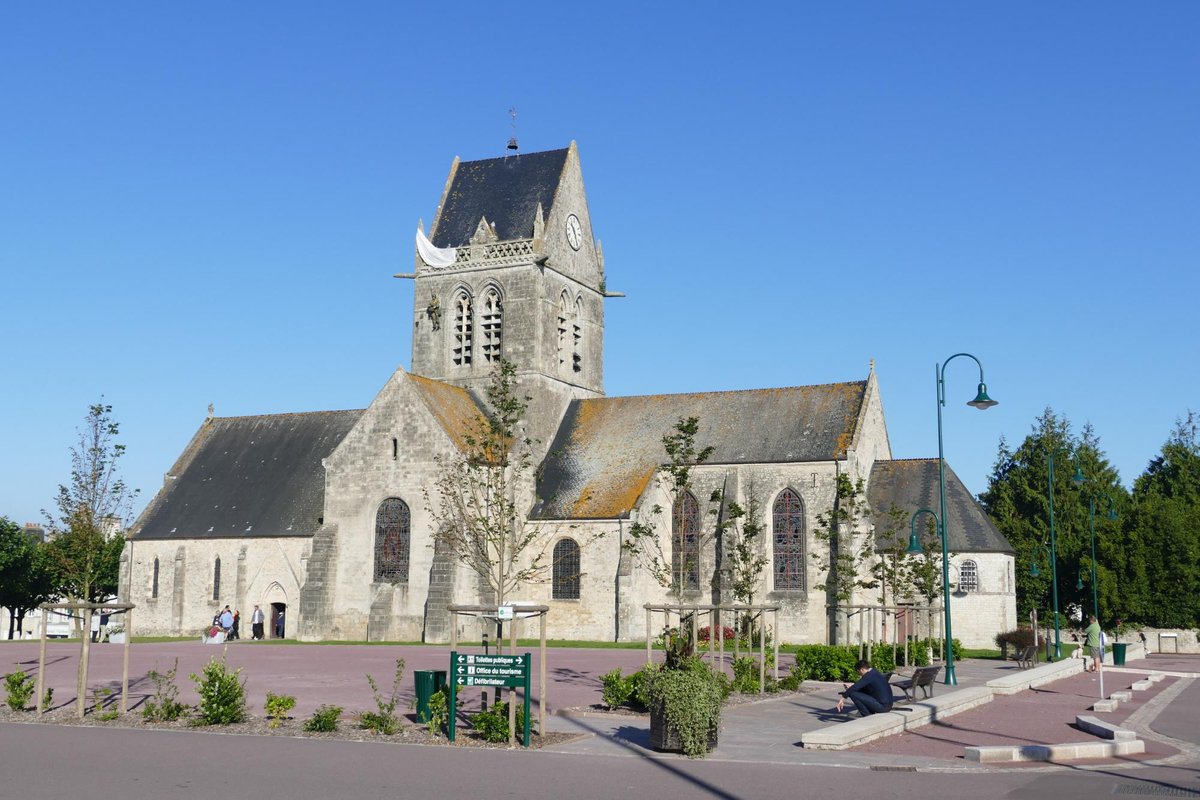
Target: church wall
(360, 474)
(977, 617)
(253, 571)
(871, 444)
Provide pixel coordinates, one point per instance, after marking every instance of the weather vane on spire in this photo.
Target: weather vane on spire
(512, 140)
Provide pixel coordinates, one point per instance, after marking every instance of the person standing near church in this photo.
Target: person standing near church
(234, 631)
(1094, 643)
(279, 625)
(256, 624)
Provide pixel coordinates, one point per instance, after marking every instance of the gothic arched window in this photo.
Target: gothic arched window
(787, 528)
(154, 580)
(566, 570)
(968, 576)
(685, 542)
(217, 579)
(462, 330)
(392, 541)
(490, 325)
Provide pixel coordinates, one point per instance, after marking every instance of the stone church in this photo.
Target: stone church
(321, 519)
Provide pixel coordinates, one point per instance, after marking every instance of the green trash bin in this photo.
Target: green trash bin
(1119, 653)
(428, 683)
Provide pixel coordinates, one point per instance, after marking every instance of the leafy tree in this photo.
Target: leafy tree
(27, 577)
(740, 532)
(1163, 549)
(476, 499)
(849, 554)
(91, 511)
(643, 543)
(1017, 501)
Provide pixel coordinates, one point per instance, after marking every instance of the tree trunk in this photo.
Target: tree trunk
(12, 619)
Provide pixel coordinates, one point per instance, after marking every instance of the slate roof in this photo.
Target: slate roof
(451, 406)
(248, 476)
(607, 449)
(913, 483)
(505, 190)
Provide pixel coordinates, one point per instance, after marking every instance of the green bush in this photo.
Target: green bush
(745, 675)
(439, 711)
(164, 706)
(324, 719)
(222, 695)
(689, 697)
(48, 697)
(791, 682)
(825, 662)
(492, 724)
(19, 688)
(617, 689)
(384, 719)
(278, 706)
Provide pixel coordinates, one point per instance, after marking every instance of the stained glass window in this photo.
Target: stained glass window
(787, 528)
(392, 541)
(685, 541)
(566, 570)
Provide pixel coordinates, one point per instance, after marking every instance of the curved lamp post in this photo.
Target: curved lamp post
(982, 402)
(1078, 478)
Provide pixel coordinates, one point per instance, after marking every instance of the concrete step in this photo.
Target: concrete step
(1105, 730)
(1070, 751)
(866, 729)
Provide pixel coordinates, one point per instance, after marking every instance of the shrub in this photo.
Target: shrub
(791, 682)
(689, 696)
(384, 719)
(492, 723)
(639, 700)
(278, 706)
(19, 688)
(745, 675)
(48, 697)
(439, 712)
(825, 662)
(617, 689)
(324, 719)
(1019, 638)
(164, 706)
(222, 695)
(728, 634)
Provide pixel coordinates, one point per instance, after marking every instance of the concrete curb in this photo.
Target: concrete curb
(1036, 676)
(866, 729)
(1105, 730)
(1053, 752)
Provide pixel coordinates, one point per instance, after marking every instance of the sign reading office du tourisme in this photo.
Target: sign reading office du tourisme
(470, 669)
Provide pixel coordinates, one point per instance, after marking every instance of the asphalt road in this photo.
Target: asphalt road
(42, 762)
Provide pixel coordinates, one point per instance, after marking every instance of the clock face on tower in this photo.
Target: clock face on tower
(574, 232)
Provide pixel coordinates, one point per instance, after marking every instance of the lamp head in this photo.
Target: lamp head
(1079, 583)
(1112, 511)
(1078, 478)
(914, 545)
(982, 401)
(1033, 569)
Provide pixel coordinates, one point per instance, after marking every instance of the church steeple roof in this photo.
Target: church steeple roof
(506, 190)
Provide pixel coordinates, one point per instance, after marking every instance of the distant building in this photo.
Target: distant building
(321, 517)
(35, 531)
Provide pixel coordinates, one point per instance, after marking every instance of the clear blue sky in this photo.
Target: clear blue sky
(205, 203)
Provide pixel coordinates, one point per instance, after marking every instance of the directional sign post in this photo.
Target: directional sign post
(468, 669)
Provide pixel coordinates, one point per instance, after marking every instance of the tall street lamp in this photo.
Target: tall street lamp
(982, 402)
(1112, 514)
(1078, 478)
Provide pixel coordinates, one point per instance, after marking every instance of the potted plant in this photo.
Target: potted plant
(685, 697)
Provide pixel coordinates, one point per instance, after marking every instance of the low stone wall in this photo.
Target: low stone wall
(1167, 640)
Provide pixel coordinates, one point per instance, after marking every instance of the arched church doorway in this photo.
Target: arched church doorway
(278, 620)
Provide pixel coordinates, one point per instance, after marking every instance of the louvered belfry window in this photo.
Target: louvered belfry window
(685, 542)
(577, 337)
(392, 541)
(462, 330)
(787, 527)
(566, 570)
(154, 580)
(562, 330)
(491, 325)
(217, 579)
